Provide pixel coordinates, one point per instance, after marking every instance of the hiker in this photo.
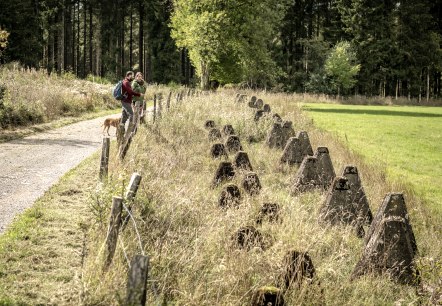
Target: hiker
(138, 86)
(127, 112)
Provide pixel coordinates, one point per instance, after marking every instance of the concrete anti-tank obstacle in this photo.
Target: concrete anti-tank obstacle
(359, 198)
(287, 132)
(233, 144)
(252, 102)
(251, 183)
(224, 172)
(277, 118)
(306, 177)
(270, 212)
(266, 108)
(218, 150)
(269, 295)
(296, 149)
(209, 124)
(339, 208)
(275, 136)
(242, 161)
(228, 130)
(248, 237)
(325, 170)
(298, 268)
(259, 103)
(230, 196)
(390, 244)
(240, 98)
(258, 114)
(214, 134)
(315, 172)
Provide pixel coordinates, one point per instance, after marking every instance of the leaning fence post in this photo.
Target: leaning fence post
(124, 147)
(133, 187)
(112, 232)
(104, 162)
(137, 280)
(120, 134)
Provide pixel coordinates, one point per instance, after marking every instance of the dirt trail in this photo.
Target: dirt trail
(29, 166)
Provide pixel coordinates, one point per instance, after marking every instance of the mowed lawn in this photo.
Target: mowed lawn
(404, 140)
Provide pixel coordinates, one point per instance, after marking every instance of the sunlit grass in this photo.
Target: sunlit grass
(406, 140)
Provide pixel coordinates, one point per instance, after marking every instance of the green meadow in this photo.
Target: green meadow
(405, 141)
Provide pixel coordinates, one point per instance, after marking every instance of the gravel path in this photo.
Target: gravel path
(29, 166)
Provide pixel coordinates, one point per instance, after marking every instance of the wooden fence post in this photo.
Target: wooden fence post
(168, 100)
(120, 134)
(104, 162)
(136, 281)
(160, 105)
(124, 147)
(154, 106)
(133, 187)
(112, 232)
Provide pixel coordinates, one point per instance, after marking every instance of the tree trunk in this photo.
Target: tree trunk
(78, 40)
(131, 38)
(204, 75)
(141, 37)
(74, 35)
(84, 72)
(90, 39)
(397, 88)
(428, 84)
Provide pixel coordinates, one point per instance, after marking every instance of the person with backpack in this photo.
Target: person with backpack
(128, 93)
(138, 86)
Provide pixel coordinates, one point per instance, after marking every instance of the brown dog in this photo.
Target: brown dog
(108, 122)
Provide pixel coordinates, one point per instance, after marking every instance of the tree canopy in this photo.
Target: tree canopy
(263, 43)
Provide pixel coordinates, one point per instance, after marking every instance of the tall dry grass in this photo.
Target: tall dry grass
(30, 96)
(188, 237)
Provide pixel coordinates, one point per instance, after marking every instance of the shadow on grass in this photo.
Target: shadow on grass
(379, 112)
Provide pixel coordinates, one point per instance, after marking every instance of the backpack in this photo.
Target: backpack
(118, 91)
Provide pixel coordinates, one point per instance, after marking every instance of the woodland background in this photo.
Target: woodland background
(372, 48)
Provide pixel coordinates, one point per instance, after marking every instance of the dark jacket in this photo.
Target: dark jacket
(128, 92)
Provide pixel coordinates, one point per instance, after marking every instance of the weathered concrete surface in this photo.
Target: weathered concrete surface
(233, 144)
(315, 172)
(270, 212)
(339, 207)
(230, 196)
(390, 244)
(359, 199)
(218, 150)
(296, 149)
(228, 130)
(298, 268)
(242, 161)
(214, 134)
(224, 172)
(251, 183)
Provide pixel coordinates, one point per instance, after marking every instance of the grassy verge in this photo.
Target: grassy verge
(41, 253)
(188, 237)
(406, 141)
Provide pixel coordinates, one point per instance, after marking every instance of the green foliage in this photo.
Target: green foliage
(228, 41)
(341, 67)
(3, 41)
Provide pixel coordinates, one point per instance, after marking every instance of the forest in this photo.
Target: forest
(372, 48)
